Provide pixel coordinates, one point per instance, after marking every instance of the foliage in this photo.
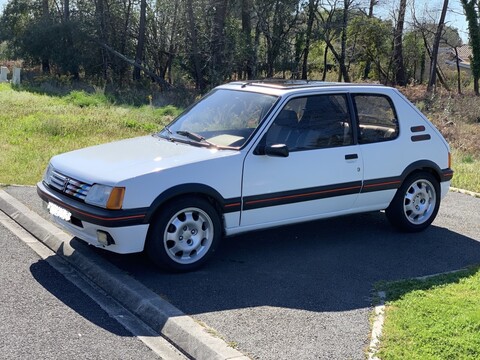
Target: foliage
(207, 42)
(472, 9)
(83, 99)
(371, 40)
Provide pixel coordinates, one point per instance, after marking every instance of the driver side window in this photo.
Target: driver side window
(312, 122)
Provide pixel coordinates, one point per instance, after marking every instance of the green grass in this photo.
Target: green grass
(35, 127)
(437, 318)
(467, 172)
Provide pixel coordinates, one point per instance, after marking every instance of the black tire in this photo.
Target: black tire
(184, 234)
(416, 203)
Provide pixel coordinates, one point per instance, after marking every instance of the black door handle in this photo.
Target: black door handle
(351, 156)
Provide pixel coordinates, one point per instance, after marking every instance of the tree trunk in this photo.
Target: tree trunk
(368, 64)
(199, 81)
(217, 65)
(69, 48)
(343, 67)
(248, 60)
(171, 47)
(457, 61)
(422, 67)
(436, 44)
(325, 59)
(398, 65)
(140, 39)
(46, 19)
(312, 8)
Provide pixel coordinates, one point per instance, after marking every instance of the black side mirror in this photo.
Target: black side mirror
(277, 150)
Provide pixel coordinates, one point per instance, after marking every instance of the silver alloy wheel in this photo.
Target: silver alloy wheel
(188, 235)
(419, 201)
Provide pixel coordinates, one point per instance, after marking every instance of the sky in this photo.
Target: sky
(428, 9)
(455, 17)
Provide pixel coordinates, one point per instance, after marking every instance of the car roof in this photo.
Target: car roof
(283, 86)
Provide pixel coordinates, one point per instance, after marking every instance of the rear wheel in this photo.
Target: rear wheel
(416, 203)
(184, 234)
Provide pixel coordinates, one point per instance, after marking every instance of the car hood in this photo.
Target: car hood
(114, 162)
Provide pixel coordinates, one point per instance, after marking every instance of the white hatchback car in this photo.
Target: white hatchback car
(248, 156)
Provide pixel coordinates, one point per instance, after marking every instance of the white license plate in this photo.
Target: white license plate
(59, 212)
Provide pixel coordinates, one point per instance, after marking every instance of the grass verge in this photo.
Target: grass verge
(467, 171)
(35, 127)
(434, 318)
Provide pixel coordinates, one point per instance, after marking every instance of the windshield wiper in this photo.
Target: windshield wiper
(196, 137)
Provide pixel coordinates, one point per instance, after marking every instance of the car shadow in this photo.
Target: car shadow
(74, 298)
(321, 266)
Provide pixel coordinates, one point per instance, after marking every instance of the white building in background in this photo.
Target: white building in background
(3, 74)
(16, 76)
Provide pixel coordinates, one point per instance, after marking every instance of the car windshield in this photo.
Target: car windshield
(223, 118)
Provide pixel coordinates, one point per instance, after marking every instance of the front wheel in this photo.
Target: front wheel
(184, 234)
(416, 203)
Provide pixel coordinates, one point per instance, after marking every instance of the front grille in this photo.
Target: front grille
(69, 186)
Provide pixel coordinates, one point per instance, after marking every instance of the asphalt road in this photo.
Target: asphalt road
(45, 316)
(304, 291)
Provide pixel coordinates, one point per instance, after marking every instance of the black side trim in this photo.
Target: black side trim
(294, 196)
(92, 214)
(232, 205)
(381, 184)
(418, 128)
(424, 137)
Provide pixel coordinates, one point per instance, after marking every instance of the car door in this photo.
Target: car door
(322, 173)
(384, 156)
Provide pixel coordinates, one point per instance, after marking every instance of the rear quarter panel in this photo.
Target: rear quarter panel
(386, 161)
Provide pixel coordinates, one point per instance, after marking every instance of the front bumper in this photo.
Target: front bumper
(127, 228)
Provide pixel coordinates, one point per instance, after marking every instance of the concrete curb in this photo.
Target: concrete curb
(466, 192)
(377, 327)
(161, 316)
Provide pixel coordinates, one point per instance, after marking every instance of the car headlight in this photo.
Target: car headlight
(105, 196)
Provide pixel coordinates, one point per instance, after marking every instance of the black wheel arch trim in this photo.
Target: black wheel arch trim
(92, 214)
(226, 205)
(441, 174)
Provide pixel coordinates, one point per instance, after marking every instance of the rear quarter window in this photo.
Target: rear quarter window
(377, 118)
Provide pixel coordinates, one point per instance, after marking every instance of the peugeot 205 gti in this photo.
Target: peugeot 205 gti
(248, 156)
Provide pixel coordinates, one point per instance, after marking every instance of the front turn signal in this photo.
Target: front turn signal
(115, 200)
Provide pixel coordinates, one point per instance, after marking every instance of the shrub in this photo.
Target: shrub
(83, 99)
